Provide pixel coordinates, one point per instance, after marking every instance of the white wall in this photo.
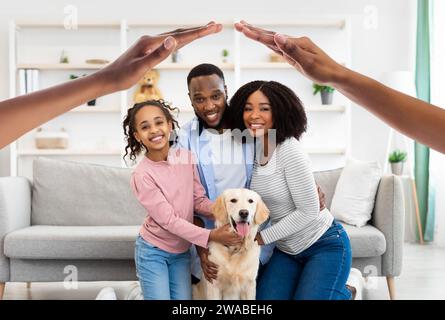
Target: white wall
(388, 47)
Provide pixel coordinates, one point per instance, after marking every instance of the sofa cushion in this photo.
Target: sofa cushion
(366, 241)
(61, 242)
(68, 193)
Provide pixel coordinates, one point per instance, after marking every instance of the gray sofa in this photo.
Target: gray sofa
(79, 222)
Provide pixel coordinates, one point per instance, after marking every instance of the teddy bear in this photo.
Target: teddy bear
(147, 87)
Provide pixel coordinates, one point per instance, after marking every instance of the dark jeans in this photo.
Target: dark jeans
(318, 273)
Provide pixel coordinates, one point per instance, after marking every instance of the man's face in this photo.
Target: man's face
(208, 95)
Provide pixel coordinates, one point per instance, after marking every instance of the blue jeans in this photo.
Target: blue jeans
(318, 273)
(162, 275)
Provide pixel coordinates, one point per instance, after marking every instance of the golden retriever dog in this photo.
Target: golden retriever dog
(238, 266)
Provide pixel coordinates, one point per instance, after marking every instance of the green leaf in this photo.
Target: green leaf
(319, 87)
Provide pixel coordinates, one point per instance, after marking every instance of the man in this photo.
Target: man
(204, 135)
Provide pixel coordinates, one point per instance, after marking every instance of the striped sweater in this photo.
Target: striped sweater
(287, 186)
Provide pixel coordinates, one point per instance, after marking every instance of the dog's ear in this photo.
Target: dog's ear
(220, 210)
(262, 212)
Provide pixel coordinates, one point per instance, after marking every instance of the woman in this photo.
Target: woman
(312, 258)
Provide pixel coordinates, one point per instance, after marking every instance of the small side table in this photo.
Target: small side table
(412, 217)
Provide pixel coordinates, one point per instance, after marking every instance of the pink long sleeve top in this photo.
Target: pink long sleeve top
(171, 191)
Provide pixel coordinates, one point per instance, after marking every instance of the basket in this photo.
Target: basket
(51, 139)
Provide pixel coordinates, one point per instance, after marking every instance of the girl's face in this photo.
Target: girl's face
(257, 114)
(152, 128)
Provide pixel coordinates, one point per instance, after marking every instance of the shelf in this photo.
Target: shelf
(298, 22)
(74, 152)
(270, 65)
(174, 24)
(60, 66)
(325, 151)
(58, 24)
(326, 108)
(67, 152)
(312, 108)
(188, 66)
(95, 109)
(267, 65)
(303, 22)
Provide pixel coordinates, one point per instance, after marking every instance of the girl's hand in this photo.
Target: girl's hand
(146, 53)
(225, 236)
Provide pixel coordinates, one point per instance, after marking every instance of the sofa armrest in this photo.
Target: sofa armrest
(15, 213)
(389, 217)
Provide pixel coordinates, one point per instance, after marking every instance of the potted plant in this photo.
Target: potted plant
(225, 55)
(327, 93)
(63, 57)
(397, 158)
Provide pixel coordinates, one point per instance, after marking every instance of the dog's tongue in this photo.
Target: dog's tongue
(242, 229)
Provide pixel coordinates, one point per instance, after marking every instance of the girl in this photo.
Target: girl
(167, 184)
(312, 258)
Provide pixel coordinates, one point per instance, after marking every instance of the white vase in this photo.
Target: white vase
(326, 97)
(397, 168)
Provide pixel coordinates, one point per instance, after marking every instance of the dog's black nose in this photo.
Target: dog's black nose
(243, 213)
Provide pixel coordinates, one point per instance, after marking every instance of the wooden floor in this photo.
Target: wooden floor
(423, 277)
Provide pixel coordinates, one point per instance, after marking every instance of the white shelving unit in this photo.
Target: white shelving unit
(188, 67)
(67, 152)
(96, 132)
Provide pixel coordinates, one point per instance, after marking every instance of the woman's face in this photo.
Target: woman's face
(257, 114)
(152, 128)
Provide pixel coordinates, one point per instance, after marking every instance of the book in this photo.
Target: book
(29, 83)
(35, 80)
(22, 81)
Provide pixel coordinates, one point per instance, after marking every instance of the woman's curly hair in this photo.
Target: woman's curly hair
(134, 147)
(288, 114)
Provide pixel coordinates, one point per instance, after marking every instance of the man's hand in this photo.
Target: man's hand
(321, 198)
(259, 239)
(301, 53)
(209, 269)
(147, 52)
